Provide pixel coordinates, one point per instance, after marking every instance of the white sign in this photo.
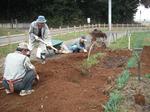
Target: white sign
(89, 20)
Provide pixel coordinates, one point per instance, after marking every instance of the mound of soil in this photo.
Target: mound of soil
(63, 87)
(116, 58)
(145, 60)
(145, 56)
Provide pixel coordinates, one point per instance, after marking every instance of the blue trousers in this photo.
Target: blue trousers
(24, 84)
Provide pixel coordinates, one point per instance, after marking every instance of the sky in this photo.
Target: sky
(144, 15)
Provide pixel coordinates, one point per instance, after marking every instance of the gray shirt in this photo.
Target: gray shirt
(34, 30)
(16, 66)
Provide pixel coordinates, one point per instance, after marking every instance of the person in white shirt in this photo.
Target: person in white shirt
(38, 33)
(19, 73)
(76, 47)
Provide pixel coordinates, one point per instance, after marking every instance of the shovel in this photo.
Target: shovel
(48, 45)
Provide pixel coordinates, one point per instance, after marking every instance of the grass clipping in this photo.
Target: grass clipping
(91, 61)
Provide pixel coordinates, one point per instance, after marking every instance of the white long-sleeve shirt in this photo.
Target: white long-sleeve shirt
(33, 30)
(16, 66)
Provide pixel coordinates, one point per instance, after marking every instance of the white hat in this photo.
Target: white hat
(41, 19)
(83, 38)
(23, 45)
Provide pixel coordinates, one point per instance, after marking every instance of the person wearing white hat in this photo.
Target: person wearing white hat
(75, 47)
(82, 45)
(38, 32)
(19, 73)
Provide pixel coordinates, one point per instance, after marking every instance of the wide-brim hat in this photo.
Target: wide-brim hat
(41, 19)
(23, 45)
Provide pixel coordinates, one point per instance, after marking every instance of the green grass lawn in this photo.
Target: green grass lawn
(69, 36)
(138, 40)
(4, 50)
(4, 31)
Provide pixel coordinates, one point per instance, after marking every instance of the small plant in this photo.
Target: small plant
(147, 76)
(88, 63)
(93, 60)
(132, 62)
(123, 78)
(114, 100)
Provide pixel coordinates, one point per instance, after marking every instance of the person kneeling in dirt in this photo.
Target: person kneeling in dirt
(19, 73)
(82, 45)
(74, 48)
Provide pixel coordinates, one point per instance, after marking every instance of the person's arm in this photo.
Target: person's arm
(28, 65)
(46, 32)
(32, 31)
(47, 36)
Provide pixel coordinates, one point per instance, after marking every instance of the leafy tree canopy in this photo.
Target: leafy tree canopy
(69, 12)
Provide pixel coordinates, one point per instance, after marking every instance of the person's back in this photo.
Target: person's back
(14, 68)
(19, 73)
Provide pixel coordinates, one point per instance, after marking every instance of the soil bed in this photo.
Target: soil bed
(131, 91)
(63, 88)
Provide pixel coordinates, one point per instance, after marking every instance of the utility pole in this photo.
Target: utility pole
(140, 17)
(109, 21)
(109, 13)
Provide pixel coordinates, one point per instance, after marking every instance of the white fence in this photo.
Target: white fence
(26, 25)
(118, 30)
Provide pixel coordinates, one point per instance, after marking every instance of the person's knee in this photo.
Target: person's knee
(31, 74)
(5, 84)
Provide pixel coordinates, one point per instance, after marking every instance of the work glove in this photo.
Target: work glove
(84, 50)
(51, 47)
(36, 37)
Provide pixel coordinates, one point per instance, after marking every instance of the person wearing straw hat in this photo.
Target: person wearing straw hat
(19, 73)
(38, 32)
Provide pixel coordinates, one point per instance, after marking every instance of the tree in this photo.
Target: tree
(146, 3)
(69, 12)
(123, 10)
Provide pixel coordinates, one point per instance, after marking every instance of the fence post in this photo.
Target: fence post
(104, 25)
(60, 31)
(12, 23)
(84, 28)
(9, 41)
(67, 29)
(117, 26)
(26, 36)
(99, 26)
(74, 28)
(8, 35)
(88, 27)
(116, 37)
(16, 22)
(129, 40)
(80, 29)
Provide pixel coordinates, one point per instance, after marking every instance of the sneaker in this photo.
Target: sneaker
(7, 91)
(30, 91)
(43, 62)
(26, 92)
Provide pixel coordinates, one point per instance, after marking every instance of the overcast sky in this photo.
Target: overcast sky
(145, 14)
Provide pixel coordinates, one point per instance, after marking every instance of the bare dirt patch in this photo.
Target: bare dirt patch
(63, 88)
